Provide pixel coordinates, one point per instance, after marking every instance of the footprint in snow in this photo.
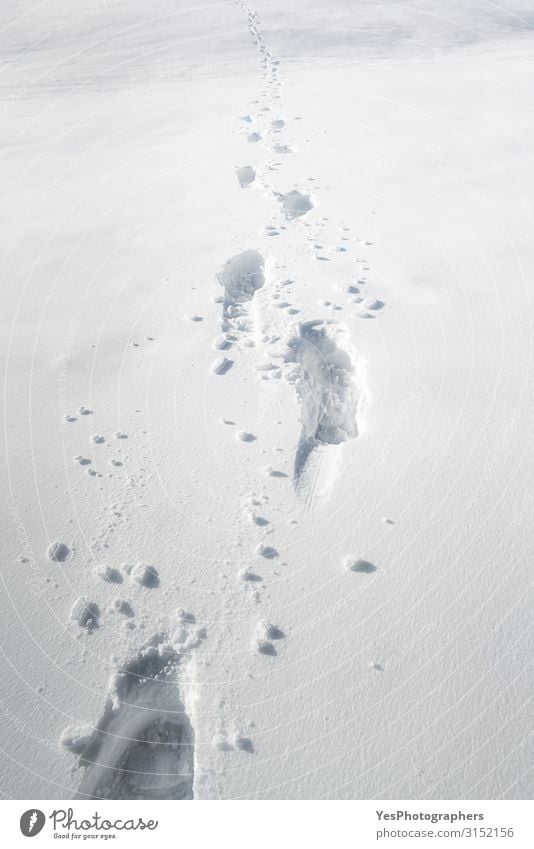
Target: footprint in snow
(246, 176)
(249, 575)
(145, 576)
(221, 365)
(264, 634)
(58, 552)
(373, 304)
(294, 203)
(261, 521)
(283, 149)
(225, 744)
(185, 616)
(357, 564)
(121, 606)
(107, 574)
(244, 744)
(267, 551)
(222, 343)
(244, 436)
(86, 614)
(326, 377)
(83, 461)
(142, 747)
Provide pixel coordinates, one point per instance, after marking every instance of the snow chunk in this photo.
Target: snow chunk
(76, 738)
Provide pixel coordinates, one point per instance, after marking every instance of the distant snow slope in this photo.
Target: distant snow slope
(267, 360)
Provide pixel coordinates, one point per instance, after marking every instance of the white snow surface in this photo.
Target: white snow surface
(267, 363)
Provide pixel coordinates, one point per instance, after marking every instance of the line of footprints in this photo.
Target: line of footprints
(317, 358)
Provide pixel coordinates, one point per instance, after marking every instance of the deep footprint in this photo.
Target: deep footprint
(241, 277)
(294, 204)
(326, 383)
(143, 746)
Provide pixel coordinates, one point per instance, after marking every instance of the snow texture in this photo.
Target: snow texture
(267, 381)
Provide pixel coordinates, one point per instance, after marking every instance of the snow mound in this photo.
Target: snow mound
(76, 738)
